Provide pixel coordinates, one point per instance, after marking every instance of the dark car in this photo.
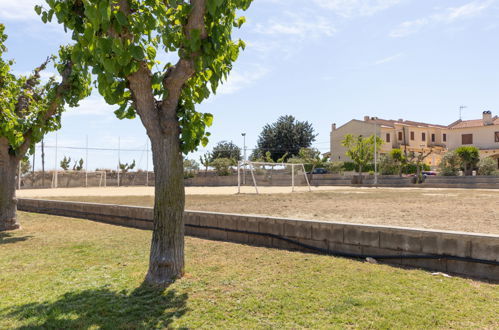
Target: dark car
(319, 171)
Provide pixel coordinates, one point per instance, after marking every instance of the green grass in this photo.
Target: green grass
(66, 273)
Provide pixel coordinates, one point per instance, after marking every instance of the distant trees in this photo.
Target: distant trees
(225, 149)
(361, 150)
(286, 135)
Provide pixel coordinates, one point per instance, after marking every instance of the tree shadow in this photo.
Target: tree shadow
(144, 308)
(6, 238)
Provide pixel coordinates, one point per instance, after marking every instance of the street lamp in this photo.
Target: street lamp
(375, 150)
(244, 157)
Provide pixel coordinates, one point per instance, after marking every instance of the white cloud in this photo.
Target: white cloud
(448, 15)
(350, 8)
(240, 79)
(92, 106)
(18, 9)
(409, 27)
(298, 26)
(388, 59)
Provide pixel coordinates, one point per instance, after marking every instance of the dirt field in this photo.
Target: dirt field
(448, 209)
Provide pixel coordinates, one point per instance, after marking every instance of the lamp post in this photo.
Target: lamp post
(375, 150)
(244, 157)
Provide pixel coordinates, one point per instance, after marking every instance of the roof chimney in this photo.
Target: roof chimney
(487, 118)
(333, 127)
(366, 118)
(401, 120)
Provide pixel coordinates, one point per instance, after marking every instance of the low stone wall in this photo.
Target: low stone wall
(346, 239)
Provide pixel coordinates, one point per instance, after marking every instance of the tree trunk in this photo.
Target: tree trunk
(166, 262)
(8, 201)
(360, 175)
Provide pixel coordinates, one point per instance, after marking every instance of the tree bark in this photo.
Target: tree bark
(166, 261)
(8, 201)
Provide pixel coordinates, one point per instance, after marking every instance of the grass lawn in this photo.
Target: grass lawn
(67, 273)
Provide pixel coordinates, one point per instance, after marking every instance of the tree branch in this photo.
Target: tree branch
(177, 75)
(23, 99)
(51, 109)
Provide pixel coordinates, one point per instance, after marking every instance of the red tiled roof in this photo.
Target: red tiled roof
(472, 123)
(391, 123)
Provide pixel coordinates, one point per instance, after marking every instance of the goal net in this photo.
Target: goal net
(262, 174)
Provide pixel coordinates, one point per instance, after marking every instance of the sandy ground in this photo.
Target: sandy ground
(447, 209)
(149, 191)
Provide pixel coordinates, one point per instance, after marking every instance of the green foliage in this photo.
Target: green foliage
(285, 136)
(78, 166)
(223, 166)
(226, 149)
(487, 166)
(125, 167)
(25, 165)
(116, 42)
(469, 156)
(312, 158)
(191, 167)
(387, 165)
(334, 167)
(31, 108)
(205, 161)
(361, 149)
(64, 163)
(450, 164)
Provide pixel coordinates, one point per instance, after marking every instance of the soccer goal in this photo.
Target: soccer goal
(260, 174)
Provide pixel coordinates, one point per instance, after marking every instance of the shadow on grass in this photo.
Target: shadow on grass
(102, 308)
(6, 238)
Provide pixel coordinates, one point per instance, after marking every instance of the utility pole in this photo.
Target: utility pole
(119, 161)
(461, 110)
(86, 162)
(43, 164)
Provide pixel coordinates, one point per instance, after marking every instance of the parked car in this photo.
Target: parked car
(319, 171)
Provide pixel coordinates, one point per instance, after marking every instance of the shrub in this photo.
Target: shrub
(334, 167)
(450, 164)
(387, 165)
(487, 166)
(222, 166)
(469, 156)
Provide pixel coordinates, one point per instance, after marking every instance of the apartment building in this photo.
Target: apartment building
(422, 137)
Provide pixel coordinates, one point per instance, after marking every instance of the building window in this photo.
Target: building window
(400, 136)
(496, 134)
(467, 139)
(387, 137)
(433, 138)
(412, 136)
(423, 136)
(444, 137)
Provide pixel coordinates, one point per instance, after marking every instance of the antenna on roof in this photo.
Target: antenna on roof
(461, 110)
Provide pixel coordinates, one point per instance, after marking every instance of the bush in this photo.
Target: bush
(223, 166)
(487, 166)
(350, 166)
(334, 167)
(387, 165)
(450, 164)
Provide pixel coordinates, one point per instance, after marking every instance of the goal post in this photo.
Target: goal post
(261, 171)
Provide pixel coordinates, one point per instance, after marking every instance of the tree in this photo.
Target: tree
(78, 165)
(125, 167)
(361, 150)
(29, 109)
(190, 168)
(205, 161)
(286, 135)
(64, 163)
(469, 156)
(399, 159)
(120, 40)
(312, 158)
(223, 166)
(417, 158)
(226, 149)
(450, 164)
(25, 165)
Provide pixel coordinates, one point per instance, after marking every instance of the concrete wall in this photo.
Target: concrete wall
(332, 236)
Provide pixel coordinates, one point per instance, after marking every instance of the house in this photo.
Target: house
(481, 133)
(396, 134)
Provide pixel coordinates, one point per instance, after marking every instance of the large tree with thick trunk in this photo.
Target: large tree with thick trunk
(120, 39)
(29, 108)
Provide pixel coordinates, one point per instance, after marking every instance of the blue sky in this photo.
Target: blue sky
(325, 61)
